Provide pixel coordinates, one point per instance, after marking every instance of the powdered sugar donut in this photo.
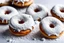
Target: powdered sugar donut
(51, 27)
(21, 24)
(5, 2)
(6, 12)
(37, 11)
(22, 3)
(58, 12)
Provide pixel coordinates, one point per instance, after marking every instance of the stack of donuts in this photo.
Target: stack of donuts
(51, 21)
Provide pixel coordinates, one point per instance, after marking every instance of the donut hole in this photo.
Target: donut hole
(62, 10)
(52, 25)
(7, 12)
(21, 21)
(37, 10)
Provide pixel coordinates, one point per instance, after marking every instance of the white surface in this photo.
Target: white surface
(35, 36)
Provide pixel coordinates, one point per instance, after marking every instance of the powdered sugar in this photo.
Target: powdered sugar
(29, 22)
(4, 16)
(51, 20)
(56, 9)
(36, 15)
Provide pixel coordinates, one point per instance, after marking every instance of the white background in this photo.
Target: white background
(4, 35)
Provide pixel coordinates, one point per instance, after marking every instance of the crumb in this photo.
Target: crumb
(56, 39)
(9, 40)
(36, 22)
(42, 39)
(34, 38)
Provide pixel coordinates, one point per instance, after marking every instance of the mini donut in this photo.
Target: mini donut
(58, 12)
(37, 11)
(21, 25)
(22, 3)
(5, 2)
(6, 12)
(51, 27)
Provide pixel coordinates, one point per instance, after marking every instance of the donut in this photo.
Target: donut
(37, 11)
(5, 2)
(58, 12)
(21, 25)
(51, 27)
(6, 12)
(22, 3)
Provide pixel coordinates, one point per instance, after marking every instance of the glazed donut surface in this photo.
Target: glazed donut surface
(6, 12)
(37, 11)
(22, 22)
(58, 12)
(52, 27)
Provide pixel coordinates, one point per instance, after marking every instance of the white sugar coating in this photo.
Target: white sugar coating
(36, 15)
(3, 1)
(22, 1)
(3, 9)
(28, 22)
(56, 9)
(58, 28)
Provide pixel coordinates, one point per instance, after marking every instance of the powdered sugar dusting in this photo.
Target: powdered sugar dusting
(56, 9)
(56, 30)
